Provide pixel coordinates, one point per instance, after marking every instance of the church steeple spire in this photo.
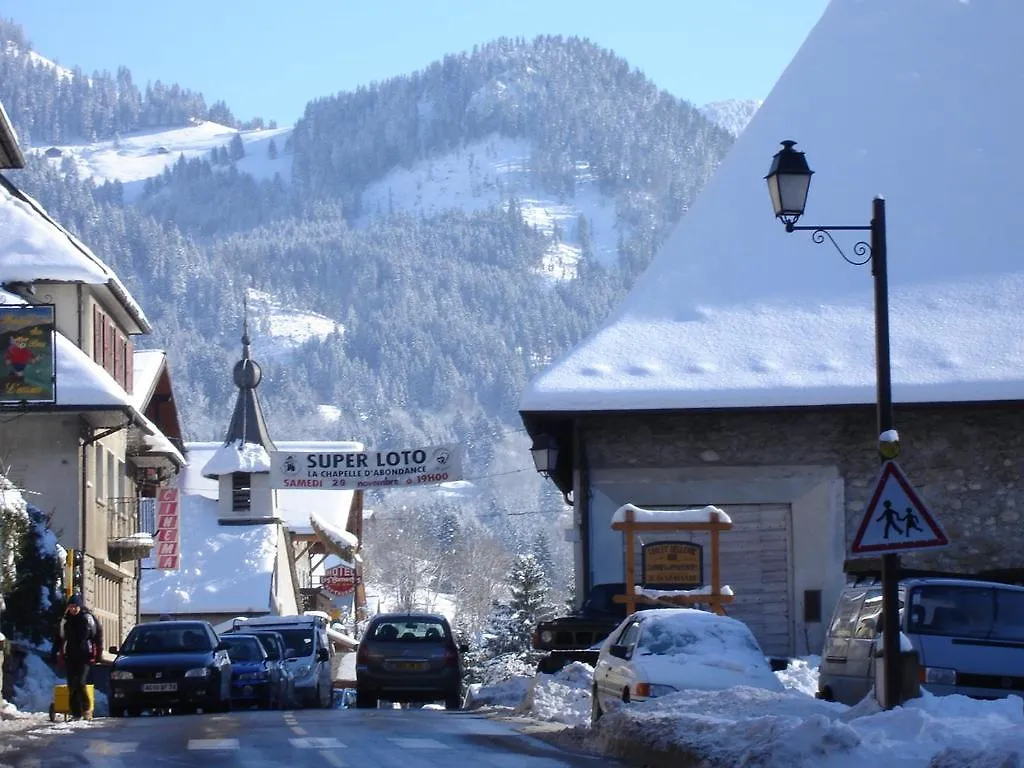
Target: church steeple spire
(247, 424)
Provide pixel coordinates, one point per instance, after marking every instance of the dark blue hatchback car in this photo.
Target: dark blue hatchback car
(254, 678)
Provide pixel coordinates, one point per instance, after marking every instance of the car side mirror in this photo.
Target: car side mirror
(463, 647)
(114, 650)
(323, 655)
(619, 651)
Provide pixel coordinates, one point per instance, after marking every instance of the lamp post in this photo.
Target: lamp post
(789, 179)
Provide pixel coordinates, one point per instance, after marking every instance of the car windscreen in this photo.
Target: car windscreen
(243, 648)
(298, 641)
(269, 643)
(162, 638)
(953, 610)
(414, 630)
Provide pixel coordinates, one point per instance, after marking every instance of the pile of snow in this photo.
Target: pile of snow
(801, 675)
(749, 726)
(563, 697)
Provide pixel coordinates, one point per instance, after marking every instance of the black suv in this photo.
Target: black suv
(409, 657)
(180, 665)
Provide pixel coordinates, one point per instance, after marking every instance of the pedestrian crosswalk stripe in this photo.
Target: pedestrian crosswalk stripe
(332, 759)
(412, 743)
(111, 747)
(317, 742)
(213, 743)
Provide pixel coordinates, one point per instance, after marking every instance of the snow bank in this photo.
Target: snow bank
(748, 726)
(563, 697)
(801, 675)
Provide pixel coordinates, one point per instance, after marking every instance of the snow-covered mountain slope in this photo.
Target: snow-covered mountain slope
(281, 329)
(137, 156)
(62, 72)
(490, 172)
(731, 114)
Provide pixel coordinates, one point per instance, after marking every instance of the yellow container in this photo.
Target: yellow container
(62, 699)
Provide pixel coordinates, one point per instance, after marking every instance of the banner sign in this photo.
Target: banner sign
(26, 336)
(672, 565)
(168, 530)
(355, 470)
(340, 580)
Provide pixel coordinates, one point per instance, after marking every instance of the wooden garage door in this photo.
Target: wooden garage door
(756, 563)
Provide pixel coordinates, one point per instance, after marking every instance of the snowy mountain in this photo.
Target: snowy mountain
(731, 114)
(134, 157)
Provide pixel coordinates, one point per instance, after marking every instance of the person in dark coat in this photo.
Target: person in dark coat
(79, 642)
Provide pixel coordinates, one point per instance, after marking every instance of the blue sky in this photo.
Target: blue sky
(270, 58)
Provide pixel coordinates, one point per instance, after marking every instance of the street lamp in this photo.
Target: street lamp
(789, 179)
(545, 454)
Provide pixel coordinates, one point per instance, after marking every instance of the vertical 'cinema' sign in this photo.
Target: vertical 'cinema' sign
(168, 530)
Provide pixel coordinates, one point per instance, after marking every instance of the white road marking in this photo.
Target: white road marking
(412, 743)
(111, 747)
(332, 759)
(317, 742)
(298, 730)
(213, 743)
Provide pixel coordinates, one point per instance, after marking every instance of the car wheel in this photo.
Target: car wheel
(365, 699)
(595, 707)
(453, 699)
(117, 711)
(134, 712)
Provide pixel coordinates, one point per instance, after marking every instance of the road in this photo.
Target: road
(350, 738)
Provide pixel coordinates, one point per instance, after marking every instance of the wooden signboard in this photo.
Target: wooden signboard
(714, 522)
(672, 565)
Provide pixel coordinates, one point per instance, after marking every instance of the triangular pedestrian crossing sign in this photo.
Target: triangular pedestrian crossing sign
(896, 518)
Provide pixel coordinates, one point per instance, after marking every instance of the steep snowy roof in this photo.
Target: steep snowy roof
(912, 100)
(146, 367)
(33, 247)
(224, 569)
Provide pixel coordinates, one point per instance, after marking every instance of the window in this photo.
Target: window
(111, 474)
(630, 635)
(870, 615)
(112, 349)
(100, 472)
(846, 613)
(241, 492)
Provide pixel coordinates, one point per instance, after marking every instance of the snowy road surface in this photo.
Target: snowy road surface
(381, 738)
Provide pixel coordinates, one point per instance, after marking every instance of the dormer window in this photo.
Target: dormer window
(112, 349)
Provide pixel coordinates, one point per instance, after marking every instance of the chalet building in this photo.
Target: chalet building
(89, 428)
(740, 370)
(248, 549)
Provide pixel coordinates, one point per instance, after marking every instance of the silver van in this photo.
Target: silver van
(968, 634)
(308, 654)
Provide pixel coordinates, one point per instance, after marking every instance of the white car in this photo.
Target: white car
(664, 650)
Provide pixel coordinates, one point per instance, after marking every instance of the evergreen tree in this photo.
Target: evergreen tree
(272, 149)
(529, 599)
(236, 150)
(35, 602)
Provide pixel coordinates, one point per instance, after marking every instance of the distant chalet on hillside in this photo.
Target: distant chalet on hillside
(740, 370)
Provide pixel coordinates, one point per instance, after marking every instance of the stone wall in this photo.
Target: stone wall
(965, 461)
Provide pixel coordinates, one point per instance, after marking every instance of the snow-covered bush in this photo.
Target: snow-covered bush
(34, 598)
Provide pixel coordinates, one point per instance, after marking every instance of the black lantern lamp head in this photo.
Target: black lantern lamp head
(545, 454)
(788, 179)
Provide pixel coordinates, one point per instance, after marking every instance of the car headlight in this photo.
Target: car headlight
(198, 672)
(120, 674)
(547, 636)
(939, 676)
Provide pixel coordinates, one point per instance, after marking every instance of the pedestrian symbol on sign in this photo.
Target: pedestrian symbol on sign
(885, 529)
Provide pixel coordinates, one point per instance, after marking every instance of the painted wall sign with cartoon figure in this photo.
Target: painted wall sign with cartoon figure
(26, 337)
(358, 470)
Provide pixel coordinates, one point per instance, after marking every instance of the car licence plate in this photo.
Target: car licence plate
(159, 687)
(408, 666)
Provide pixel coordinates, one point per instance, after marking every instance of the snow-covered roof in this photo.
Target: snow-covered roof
(908, 100)
(224, 569)
(146, 367)
(34, 247)
(237, 456)
(708, 514)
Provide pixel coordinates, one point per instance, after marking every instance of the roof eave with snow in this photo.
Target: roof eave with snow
(11, 157)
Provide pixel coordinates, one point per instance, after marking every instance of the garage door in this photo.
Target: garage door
(756, 563)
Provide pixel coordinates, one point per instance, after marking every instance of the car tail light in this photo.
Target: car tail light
(451, 657)
(643, 689)
(363, 655)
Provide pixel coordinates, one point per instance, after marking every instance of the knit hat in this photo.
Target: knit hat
(76, 599)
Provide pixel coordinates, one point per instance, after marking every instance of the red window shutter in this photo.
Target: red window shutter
(108, 347)
(97, 335)
(118, 371)
(129, 366)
